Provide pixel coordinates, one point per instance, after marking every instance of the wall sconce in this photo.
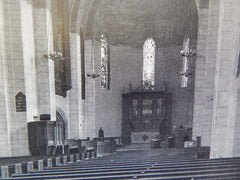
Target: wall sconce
(55, 55)
(93, 75)
(186, 53)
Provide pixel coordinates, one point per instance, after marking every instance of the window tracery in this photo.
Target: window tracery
(148, 63)
(104, 63)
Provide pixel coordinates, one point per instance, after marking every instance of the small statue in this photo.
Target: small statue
(101, 133)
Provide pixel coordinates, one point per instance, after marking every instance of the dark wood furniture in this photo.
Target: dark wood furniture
(180, 135)
(46, 137)
(79, 146)
(106, 145)
(72, 146)
(146, 112)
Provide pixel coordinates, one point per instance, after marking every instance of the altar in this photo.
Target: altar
(146, 115)
(139, 137)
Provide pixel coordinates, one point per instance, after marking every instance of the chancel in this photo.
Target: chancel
(96, 89)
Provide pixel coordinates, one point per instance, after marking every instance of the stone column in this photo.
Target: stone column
(225, 123)
(205, 70)
(76, 108)
(44, 67)
(14, 141)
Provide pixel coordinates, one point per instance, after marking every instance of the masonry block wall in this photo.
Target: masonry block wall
(89, 108)
(216, 86)
(126, 67)
(62, 107)
(236, 148)
(205, 71)
(76, 108)
(24, 37)
(29, 59)
(73, 93)
(201, 124)
(16, 120)
(14, 141)
(5, 148)
(168, 68)
(103, 108)
(40, 35)
(225, 123)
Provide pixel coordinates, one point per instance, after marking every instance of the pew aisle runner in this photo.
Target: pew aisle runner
(138, 161)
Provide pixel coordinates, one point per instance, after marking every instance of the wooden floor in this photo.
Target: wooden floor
(136, 163)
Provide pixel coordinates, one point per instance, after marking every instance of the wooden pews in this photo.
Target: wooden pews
(72, 146)
(75, 150)
(88, 150)
(106, 145)
(151, 164)
(154, 170)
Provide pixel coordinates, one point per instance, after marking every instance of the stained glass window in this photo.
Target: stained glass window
(148, 63)
(104, 63)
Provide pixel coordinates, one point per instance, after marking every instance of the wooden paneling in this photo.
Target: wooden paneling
(146, 112)
(45, 137)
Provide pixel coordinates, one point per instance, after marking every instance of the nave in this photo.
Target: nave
(141, 71)
(132, 163)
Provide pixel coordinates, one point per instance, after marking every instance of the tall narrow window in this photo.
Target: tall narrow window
(104, 63)
(148, 63)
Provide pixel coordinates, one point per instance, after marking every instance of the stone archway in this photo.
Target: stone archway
(61, 117)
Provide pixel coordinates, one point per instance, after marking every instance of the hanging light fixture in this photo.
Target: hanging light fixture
(186, 52)
(93, 75)
(55, 55)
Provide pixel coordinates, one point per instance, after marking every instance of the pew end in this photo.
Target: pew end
(73, 146)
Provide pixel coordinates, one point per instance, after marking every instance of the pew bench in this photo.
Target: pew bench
(128, 169)
(72, 145)
(153, 171)
(87, 149)
(106, 145)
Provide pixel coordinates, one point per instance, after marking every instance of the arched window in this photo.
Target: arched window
(104, 63)
(149, 47)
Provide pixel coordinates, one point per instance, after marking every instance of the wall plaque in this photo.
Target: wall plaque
(20, 100)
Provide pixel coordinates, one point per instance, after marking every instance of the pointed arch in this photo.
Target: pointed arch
(61, 117)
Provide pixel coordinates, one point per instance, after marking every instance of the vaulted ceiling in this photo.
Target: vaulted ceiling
(131, 22)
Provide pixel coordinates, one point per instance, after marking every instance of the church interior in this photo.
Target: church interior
(110, 81)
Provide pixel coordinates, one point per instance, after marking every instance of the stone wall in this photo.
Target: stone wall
(76, 117)
(125, 68)
(225, 122)
(40, 35)
(216, 88)
(104, 108)
(4, 141)
(14, 139)
(168, 68)
(205, 72)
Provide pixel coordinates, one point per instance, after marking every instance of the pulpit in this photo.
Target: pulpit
(145, 115)
(46, 137)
